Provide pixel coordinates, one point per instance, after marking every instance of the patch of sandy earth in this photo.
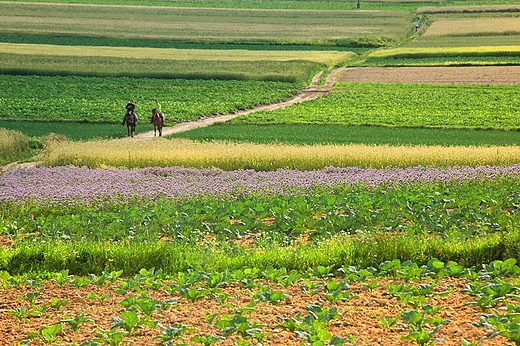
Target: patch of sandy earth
(360, 316)
(432, 75)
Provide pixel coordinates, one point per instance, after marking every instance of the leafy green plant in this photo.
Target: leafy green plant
(58, 303)
(274, 297)
(206, 340)
(423, 326)
(47, 334)
(63, 277)
(389, 322)
(101, 298)
(173, 332)
(75, 322)
(239, 324)
(506, 325)
(131, 322)
(112, 337)
(490, 293)
(338, 292)
(143, 304)
(23, 313)
(193, 294)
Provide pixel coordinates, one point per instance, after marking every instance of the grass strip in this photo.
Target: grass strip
(87, 258)
(311, 134)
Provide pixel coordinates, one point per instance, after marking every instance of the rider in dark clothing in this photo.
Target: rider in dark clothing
(130, 107)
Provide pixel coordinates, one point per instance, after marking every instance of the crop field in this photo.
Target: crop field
(102, 100)
(201, 25)
(350, 213)
(310, 134)
(293, 243)
(459, 37)
(448, 106)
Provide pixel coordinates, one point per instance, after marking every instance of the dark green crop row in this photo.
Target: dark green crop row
(309, 134)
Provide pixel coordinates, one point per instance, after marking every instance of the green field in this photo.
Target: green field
(203, 24)
(404, 105)
(102, 100)
(307, 134)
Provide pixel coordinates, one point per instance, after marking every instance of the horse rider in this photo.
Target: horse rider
(130, 107)
(158, 109)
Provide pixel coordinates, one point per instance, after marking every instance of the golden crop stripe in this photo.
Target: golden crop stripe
(173, 54)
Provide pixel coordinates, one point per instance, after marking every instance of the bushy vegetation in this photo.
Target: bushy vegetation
(15, 146)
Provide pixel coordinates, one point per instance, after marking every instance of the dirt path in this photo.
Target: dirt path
(431, 75)
(309, 93)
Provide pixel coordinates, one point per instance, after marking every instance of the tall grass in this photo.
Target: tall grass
(14, 146)
(364, 250)
(263, 157)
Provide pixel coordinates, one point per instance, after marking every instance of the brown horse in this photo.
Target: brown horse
(131, 122)
(157, 122)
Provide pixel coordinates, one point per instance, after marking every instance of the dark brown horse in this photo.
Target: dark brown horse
(131, 122)
(158, 122)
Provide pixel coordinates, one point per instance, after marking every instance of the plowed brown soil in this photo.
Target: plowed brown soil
(432, 75)
(359, 321)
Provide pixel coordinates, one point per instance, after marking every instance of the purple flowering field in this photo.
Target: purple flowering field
(71, 186)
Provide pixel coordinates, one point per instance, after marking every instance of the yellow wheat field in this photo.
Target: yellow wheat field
(134, 153)
(468, 9)
(328, 58)
(444, 51)
(474, 27)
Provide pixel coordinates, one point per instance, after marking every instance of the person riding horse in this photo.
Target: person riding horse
(158, 109)
(130, 107)
(158, 122)
(130, 118)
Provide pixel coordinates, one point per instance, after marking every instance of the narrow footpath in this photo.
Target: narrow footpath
(311, 92)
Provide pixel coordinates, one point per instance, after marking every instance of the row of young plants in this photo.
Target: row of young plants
(145, 300)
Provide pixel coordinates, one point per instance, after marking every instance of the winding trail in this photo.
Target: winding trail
(311, 92)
